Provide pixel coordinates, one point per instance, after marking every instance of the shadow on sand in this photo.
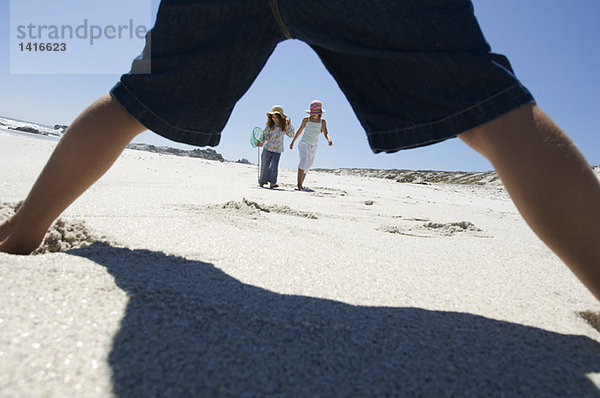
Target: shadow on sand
(192, 330)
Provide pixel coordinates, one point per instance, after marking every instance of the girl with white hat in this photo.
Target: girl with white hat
(278, 125)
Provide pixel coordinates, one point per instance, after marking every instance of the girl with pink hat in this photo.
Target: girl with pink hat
(312, 126)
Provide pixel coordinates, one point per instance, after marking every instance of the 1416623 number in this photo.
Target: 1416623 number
(42, 46)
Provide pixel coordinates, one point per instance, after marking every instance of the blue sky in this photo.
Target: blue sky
(553, 46)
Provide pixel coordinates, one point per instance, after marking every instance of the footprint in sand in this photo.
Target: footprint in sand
(327, 192)
(248, 209)
(433, 229)
(245, 205)
(452, 227)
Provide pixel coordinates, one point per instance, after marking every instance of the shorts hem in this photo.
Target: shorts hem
(451, 126)
(156, 124)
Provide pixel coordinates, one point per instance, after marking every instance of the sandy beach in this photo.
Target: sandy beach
(180, 277)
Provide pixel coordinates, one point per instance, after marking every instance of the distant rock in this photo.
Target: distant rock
(28, 129)
(423, 176)
(243, 161)
(427, 177)
(209, 154)
(60, 127)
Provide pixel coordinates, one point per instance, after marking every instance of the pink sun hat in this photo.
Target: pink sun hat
(315, 108)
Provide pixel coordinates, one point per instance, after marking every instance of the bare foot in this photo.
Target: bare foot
(14, 243)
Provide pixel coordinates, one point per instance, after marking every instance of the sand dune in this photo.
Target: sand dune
(178, 276)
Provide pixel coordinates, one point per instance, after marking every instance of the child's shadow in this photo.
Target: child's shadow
(191, 330)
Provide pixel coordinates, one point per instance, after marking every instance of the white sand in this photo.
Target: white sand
(207, 285)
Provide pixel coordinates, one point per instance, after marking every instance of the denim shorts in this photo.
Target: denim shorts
(415, 72)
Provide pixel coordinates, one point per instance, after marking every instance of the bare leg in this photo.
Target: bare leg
(551, 184)
(301, 177)
(87, 150)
